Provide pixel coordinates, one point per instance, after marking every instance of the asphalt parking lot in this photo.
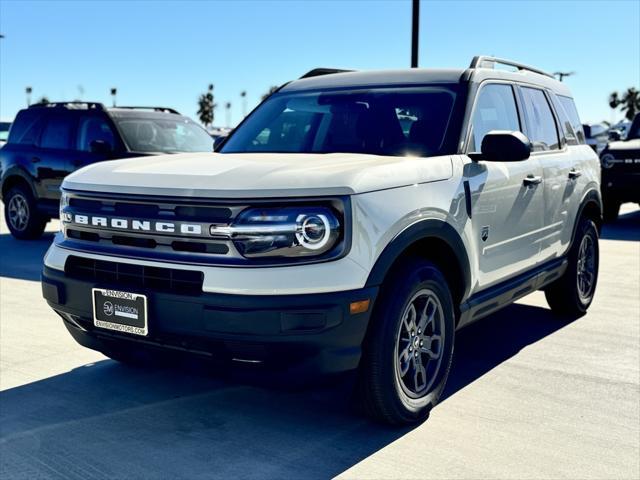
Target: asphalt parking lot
(529, 397)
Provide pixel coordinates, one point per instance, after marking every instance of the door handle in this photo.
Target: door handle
(532, 180)
(573, 174)
(35, 159)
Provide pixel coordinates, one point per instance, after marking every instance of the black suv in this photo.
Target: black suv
(49, 141)
(621, 171)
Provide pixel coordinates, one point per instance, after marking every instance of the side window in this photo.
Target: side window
(565, 122)
(57, 132)
(542, 125)
(570, 108)
(495, 110)
(94, 129)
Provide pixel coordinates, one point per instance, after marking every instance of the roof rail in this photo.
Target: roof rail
(483, 61)
(155, 109)
(71, 105)
(316, 72)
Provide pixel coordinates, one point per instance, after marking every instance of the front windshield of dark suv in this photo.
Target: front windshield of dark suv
(379, 121)
(166, 133)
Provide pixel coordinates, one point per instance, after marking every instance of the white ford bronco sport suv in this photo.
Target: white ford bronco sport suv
(353, 220)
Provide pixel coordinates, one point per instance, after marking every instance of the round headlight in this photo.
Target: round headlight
(313, 231)
(607, 160)
(305, 231)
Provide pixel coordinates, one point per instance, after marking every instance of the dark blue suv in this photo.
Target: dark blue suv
(49, 141)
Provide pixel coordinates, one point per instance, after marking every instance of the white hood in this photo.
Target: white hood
(257, 174)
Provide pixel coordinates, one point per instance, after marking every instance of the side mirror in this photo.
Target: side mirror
(100, 146)
(614, 135)
(504, 146)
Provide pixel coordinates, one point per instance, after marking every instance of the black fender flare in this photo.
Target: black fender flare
(591, 197)
(424, 229)
(16, 171)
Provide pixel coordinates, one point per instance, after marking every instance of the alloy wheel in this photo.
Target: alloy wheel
(419, 344)
(586, 268)
(18, 212)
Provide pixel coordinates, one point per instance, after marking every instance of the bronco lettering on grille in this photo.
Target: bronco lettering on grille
(133, 224)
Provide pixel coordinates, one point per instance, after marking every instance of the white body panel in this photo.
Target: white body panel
(256, 175)
(511, 215)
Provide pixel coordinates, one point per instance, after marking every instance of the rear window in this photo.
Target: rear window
(379, 121)
(572, 113)
(4, 130)
(565, 122)
(25, 128)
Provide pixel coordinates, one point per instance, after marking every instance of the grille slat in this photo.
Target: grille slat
(127, 275)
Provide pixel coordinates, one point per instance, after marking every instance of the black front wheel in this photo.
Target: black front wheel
(409, 347)
(572, 294)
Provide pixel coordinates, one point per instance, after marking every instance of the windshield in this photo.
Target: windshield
(380, 121)
(634, 130)
(165, 134)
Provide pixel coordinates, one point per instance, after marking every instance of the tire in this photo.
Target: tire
(611, 209)
(384, 392)
(21, 214)
(565, 296)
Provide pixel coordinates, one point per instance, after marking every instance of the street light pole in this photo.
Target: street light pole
(561, 75)
(243, 95)
(415, 26)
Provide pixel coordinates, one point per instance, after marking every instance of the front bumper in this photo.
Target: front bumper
(310, 332)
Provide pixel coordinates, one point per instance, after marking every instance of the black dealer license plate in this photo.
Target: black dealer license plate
(121, 311)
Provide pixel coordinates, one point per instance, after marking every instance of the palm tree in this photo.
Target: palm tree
(28, 91)
(114, 92)
(628, 102)
(206, 107)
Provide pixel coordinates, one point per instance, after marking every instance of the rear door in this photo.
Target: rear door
(507, 198)
(571, 168)
(55, 152)
(556, 158)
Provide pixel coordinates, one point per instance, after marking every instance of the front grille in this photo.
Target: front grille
(191, 213)
(153, 211)
(126, 275)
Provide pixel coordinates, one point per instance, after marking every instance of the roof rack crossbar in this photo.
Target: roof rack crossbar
(316, 72)
(89, 105)
(155, 109)
(483, 61)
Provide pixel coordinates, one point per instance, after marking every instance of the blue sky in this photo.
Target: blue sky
(166, 52)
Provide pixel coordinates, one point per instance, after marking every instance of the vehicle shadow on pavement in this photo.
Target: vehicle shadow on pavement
(22, 259)
(626, 227)
(108, 420)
